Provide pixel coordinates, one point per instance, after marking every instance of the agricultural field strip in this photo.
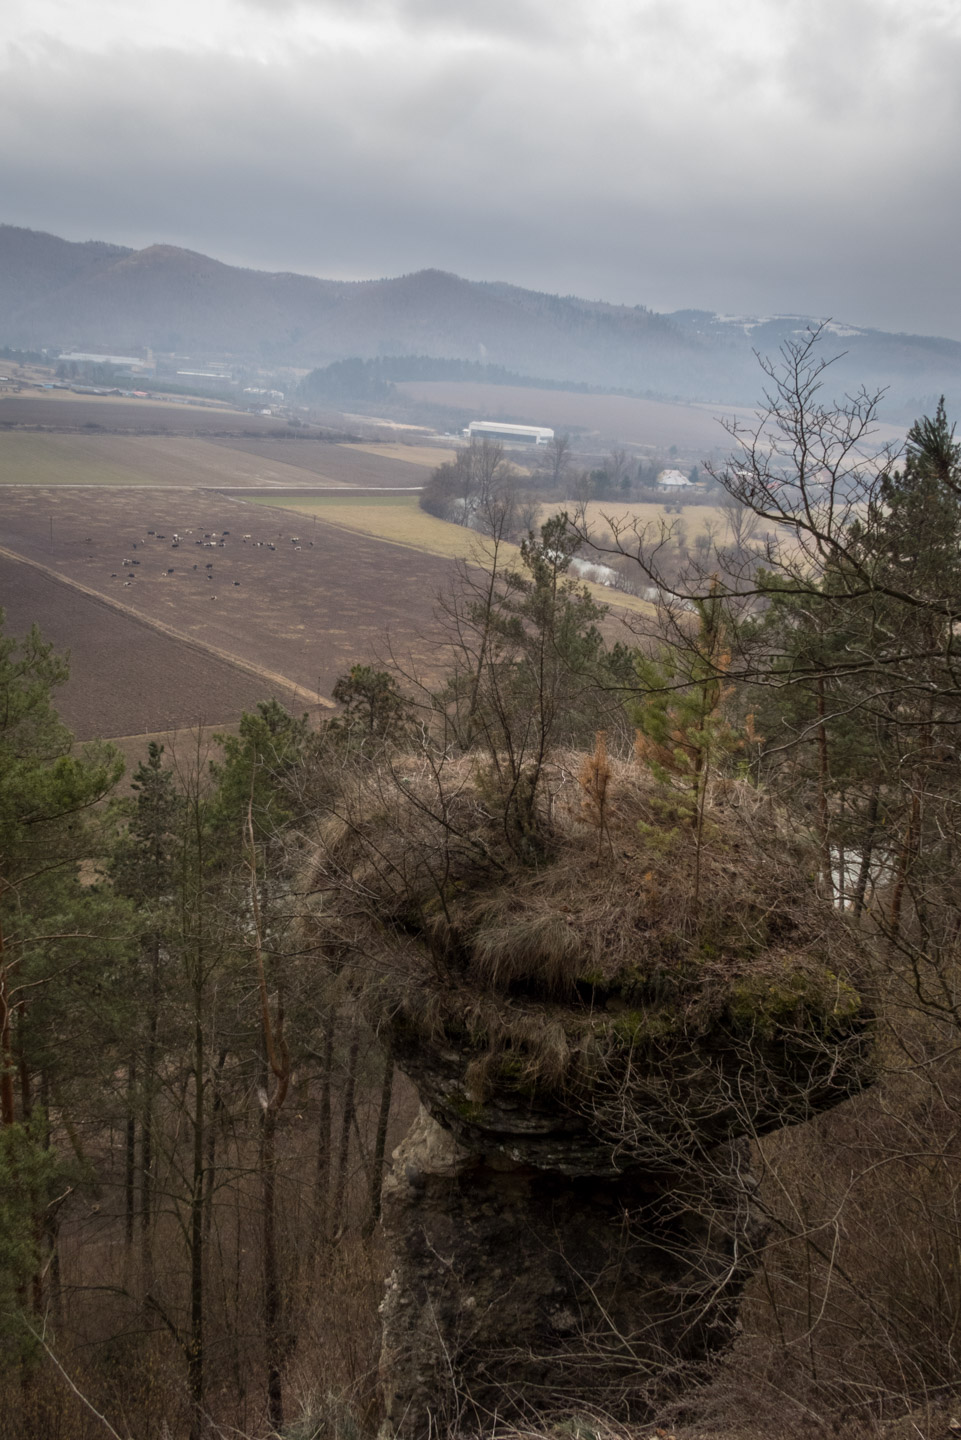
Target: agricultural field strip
(193, 641)
(415, 530)
(346, 463)
(125, 679)
(118, 403)
(421, 455)
(41, 458)
(430, 455)
(307, 612)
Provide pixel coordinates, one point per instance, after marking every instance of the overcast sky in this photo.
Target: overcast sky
(752, 156)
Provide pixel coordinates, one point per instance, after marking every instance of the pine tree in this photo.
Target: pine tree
(62, 939)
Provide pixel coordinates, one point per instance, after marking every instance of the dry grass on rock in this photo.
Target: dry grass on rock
(706, 978)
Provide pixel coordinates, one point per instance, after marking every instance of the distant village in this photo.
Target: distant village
(225, 384)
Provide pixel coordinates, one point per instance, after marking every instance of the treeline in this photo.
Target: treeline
(356, 379)
(195, 1106)
(484, 491)
(23, 357)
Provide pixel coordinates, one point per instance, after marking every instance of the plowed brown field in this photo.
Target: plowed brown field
(301, 612)
(125, 676)
(61, 410)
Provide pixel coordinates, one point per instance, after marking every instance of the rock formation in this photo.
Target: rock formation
(519, 1290)
(598, 1027)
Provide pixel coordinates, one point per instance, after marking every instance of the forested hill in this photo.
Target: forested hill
(57, 293)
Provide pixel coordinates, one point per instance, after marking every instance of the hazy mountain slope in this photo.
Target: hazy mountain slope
(434, 313)
(171, 299)
(914, 369)
(174, 299)
(35, 266)
(98, 296)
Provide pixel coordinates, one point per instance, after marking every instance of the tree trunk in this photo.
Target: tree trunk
(195, 1349)
(7, 1106)
(210, 1176)
(130, 1152)
(380, 1142)
(340, 1188)
(823, 777)
(273, 1318)
(322, 1181)
(146, 1122)
(867, 853)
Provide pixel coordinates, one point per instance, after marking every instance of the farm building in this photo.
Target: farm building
(673, 480)
(510, 434)
(84, 357)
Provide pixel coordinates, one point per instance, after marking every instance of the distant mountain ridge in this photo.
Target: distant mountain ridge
(96, 296)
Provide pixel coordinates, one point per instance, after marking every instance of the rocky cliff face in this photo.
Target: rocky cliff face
(596, 1040)
(517, 1291)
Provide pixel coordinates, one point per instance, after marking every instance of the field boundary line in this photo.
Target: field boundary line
(311, 696)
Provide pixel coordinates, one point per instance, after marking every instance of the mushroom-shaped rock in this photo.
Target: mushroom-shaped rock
(598, 1021)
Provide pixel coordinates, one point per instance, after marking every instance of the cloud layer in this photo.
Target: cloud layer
(743, 155)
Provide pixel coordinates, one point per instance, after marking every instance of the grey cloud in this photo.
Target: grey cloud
(571, 170)
(513, 21)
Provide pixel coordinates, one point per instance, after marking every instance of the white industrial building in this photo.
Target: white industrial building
(510, 434)
(84, 357)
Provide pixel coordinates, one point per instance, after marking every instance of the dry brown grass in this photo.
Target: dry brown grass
(548, 973)
(397, 518)
(696, 519)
